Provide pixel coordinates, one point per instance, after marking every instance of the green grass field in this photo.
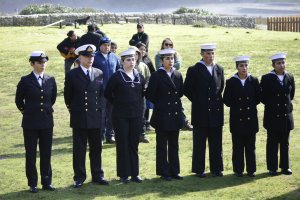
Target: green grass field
(18, 42)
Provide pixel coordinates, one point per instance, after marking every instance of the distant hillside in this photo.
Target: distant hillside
(12, 6)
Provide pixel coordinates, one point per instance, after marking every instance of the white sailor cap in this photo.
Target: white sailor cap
(168, 51)
(86, 50)
(38, 56)
(241, 58)
(135, 48)
(128, 52)
(208, 46)
(278, 56)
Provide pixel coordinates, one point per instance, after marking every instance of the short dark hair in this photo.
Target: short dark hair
(275, 60)
(91, 27)
(140, 25)
(70, 33)
(140, 44)
(239, 62)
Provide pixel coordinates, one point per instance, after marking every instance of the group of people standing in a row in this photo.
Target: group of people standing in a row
(126, 88)
(107, 61)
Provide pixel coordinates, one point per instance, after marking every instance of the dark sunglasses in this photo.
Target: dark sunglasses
(168, 44)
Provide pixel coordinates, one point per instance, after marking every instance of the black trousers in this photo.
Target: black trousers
(44, 138)
(167, 158)
(214, 136)
(80, 139)
(127, 132)
(243, 144)
(273, 140)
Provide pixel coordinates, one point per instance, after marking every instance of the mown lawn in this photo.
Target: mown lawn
(16, 44)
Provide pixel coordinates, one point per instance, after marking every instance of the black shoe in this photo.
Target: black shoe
(100, 181)
(48, 187)
(187, 126)
(273, 173)
(201, 175)
(251, 174)
(136, 179)
(178, 177)
(166, 178)
(33, 189)
(143, 139)
(287, 171)
(77, 184)
(218, 173)
(237, 174)
(124, 180)
(110, 140)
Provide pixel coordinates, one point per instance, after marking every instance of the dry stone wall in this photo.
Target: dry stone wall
(108, 18)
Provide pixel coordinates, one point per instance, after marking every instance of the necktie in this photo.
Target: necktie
(88, 75)
(40, 80)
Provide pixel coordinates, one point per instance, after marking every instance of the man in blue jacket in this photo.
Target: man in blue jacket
(108, 63)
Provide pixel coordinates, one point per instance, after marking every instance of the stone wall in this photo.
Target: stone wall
(108, 18)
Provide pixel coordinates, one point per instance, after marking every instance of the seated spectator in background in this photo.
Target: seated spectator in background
(140, 36)
(167, 43)
(113, 47)
(67, 48)
(145, 58)
(142, 47)
(91, 37)
(143, 69)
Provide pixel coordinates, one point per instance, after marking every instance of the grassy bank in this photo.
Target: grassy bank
(16, 44)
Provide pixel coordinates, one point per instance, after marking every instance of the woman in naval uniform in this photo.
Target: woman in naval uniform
(125, 90)
(164, 90)
(35, 96)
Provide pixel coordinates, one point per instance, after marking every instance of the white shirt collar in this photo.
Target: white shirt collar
(104, 55)
(85, 69)
(38, 75)
(241, 80)
(170, 72)
(211, 65)
(236, 76)
(273, 72)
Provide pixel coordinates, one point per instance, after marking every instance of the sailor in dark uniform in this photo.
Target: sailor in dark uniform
(203, 86)
(164, 90)
(82, 93)
(35, 96)
(242, 94)
(125, 90)
(278, 90)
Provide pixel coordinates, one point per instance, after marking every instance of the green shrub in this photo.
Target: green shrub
(183, 10)
(53, 8)
(201, 24)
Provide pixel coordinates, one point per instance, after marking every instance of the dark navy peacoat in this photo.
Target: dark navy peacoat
(82, 98)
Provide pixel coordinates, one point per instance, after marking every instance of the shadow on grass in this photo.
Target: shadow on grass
(54, 151)
(295, 194)
(154, 186)
(55, 141)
